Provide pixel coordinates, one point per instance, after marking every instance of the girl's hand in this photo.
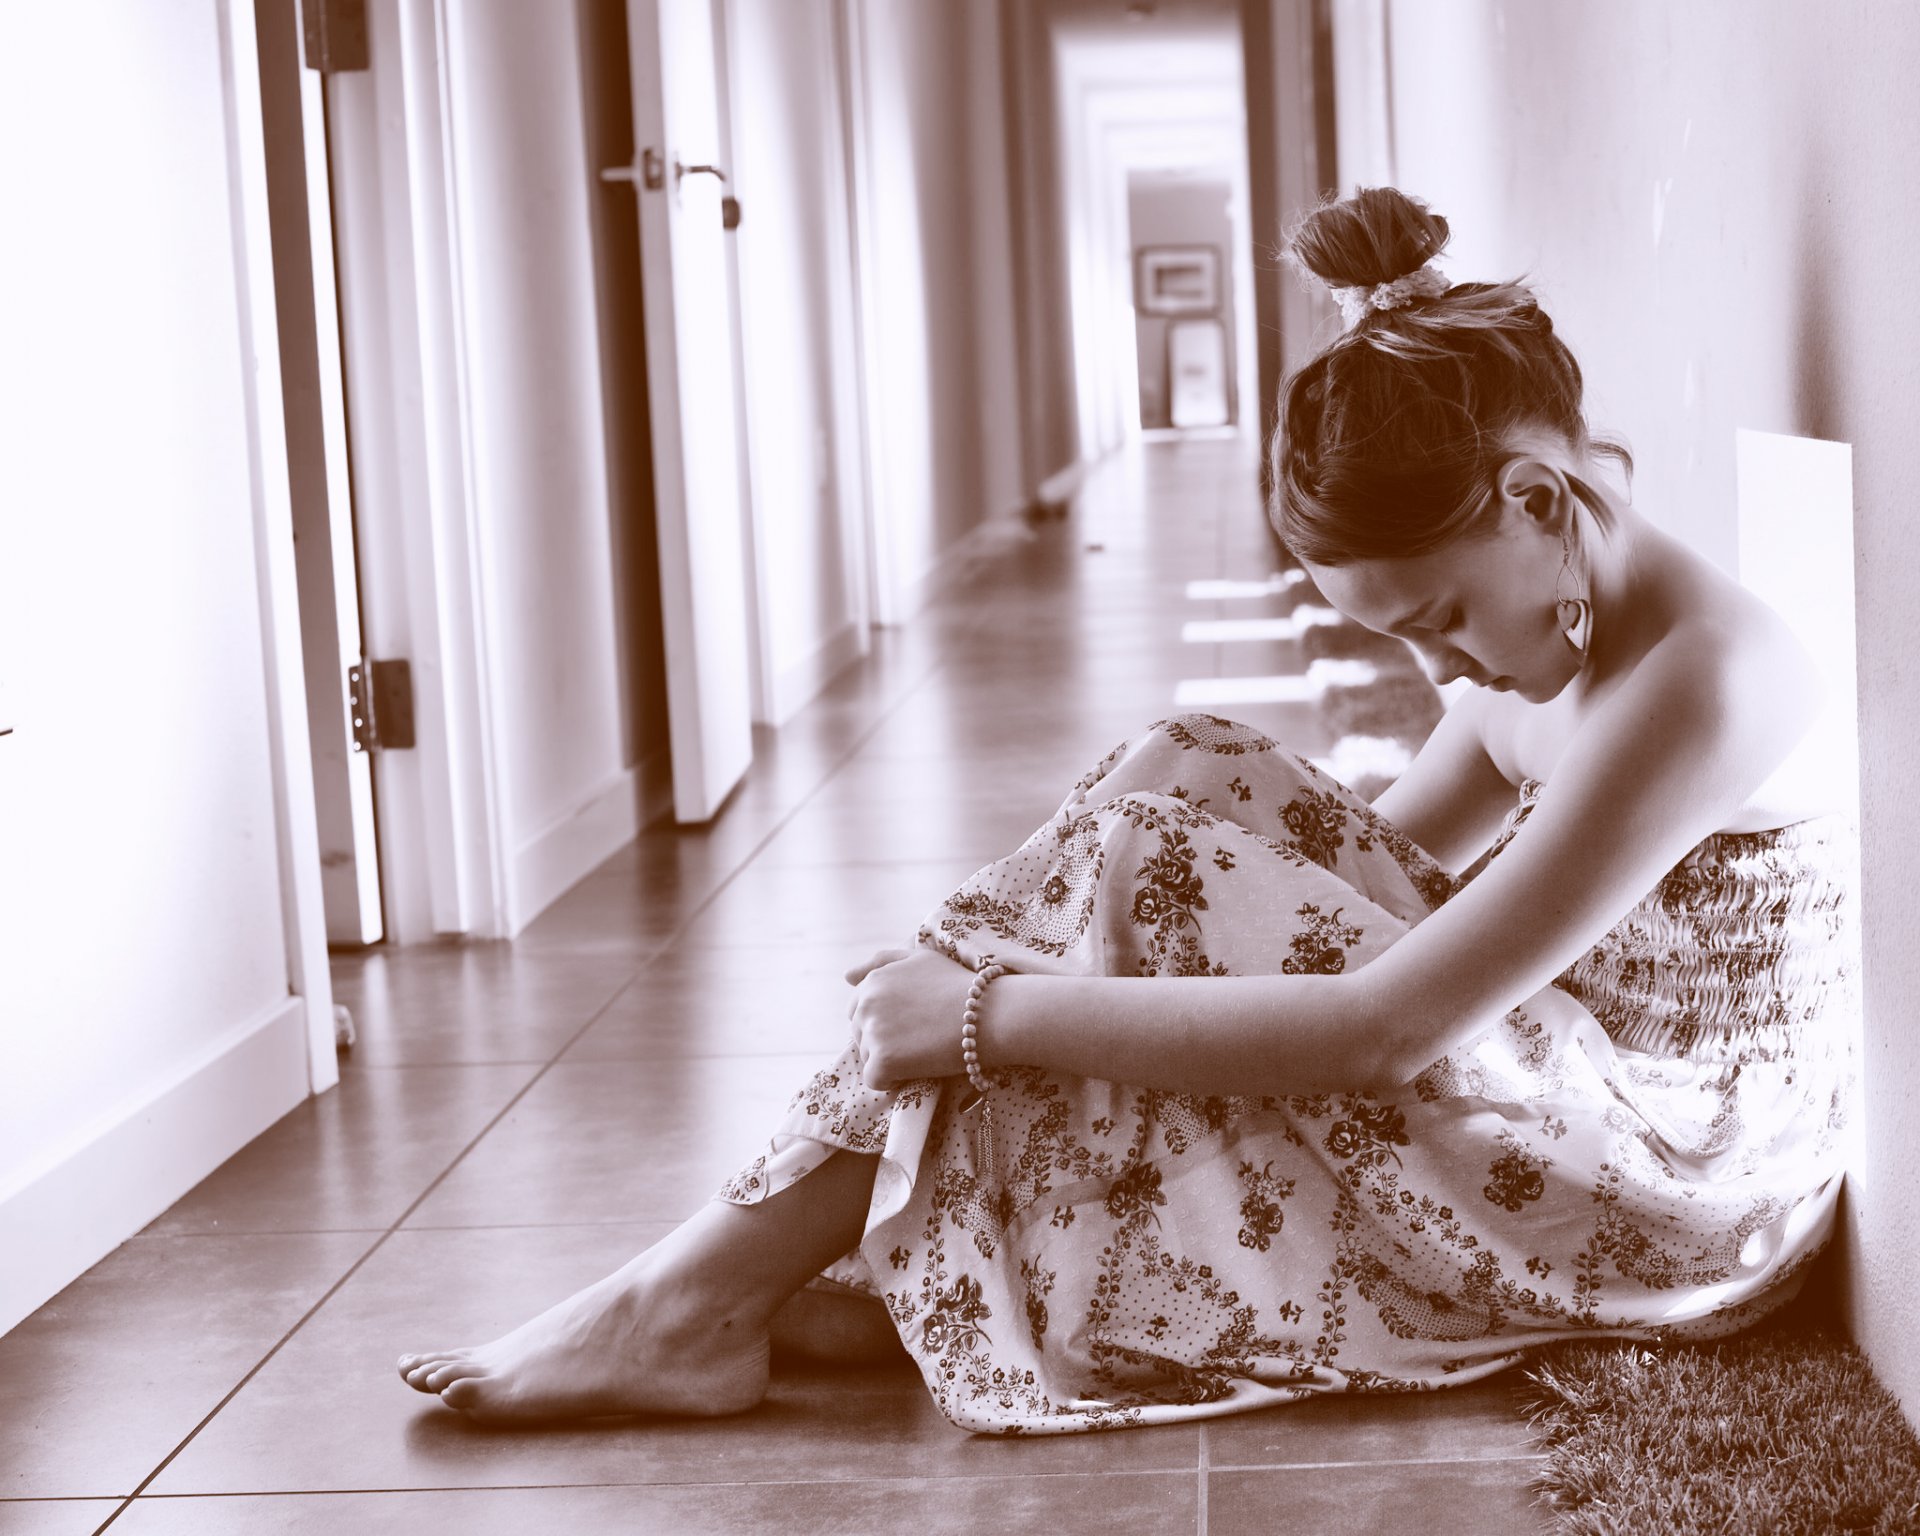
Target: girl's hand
(885, 957)
(907, 1016)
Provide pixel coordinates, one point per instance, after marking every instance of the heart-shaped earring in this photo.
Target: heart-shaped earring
(1576, 613)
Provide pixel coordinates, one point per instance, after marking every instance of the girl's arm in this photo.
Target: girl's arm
(1452, 798)
(1656, 768)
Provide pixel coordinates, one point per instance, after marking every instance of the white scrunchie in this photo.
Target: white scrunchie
(1428, 283)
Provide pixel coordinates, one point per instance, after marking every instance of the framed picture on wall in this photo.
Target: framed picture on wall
(1178, 280)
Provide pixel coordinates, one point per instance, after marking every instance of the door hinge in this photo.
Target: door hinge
(380, 697)
(336, 35)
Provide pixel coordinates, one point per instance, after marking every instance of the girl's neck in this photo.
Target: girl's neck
(1631, 574)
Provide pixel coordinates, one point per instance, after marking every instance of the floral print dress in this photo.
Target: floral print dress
(1650, 1147)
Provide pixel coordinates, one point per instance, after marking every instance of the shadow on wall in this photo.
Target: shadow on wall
(1815, 325)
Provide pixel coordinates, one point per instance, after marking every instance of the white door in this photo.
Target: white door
(1197, 373)
(300, 203)
(690, 386)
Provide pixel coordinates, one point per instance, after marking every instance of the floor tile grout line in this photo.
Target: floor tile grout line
(1200, 1496)
(168, 1237)
(525, 1089)
(1102, 1473)
(1390, 1461)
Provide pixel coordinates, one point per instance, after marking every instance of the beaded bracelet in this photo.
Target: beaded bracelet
(970, 1029)
(983, 1149)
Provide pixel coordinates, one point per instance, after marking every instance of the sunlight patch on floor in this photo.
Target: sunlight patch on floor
(1214, 590)
(1287, 688)
(1357, 757)
(1289, 627)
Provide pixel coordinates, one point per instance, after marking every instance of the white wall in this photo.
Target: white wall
(941, 381)
(149, 1030)
(797, 347)
(1716, 200)
(567, 757)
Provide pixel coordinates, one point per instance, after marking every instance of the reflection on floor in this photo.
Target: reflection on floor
(517, 1119)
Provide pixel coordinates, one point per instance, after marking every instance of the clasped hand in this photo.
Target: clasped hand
(906, 1014)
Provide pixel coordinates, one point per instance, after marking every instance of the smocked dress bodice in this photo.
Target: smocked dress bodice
(1746, 949)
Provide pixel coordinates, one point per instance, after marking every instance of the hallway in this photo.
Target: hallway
(516, 1119)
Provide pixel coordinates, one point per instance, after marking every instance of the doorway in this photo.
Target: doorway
(500, 517)
(1160, 242)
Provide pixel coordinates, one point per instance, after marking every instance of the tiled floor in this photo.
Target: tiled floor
(517, 1119)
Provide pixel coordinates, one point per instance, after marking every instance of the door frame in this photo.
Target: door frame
(306, 297)
(296, 825)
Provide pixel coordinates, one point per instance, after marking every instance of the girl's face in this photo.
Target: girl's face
(1483, 607)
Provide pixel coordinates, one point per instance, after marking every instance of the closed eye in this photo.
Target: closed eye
(1453, 622)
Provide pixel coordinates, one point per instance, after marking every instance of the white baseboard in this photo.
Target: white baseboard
(65, 1216)
(798, 684)
(551, 862)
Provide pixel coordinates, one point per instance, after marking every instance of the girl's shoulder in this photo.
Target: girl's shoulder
(1738, 655)
(1762, 674)
(1717, 662)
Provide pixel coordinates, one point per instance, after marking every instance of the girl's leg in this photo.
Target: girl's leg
(682, 1328)
(844, 1327)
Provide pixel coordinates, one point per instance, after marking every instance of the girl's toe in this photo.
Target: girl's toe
(425, 1365)
(447, 1372)
(465, 1393)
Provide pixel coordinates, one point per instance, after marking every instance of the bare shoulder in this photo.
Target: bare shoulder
(1736, 641)
(1739, 663)
(1727, 696)
(1767, 695)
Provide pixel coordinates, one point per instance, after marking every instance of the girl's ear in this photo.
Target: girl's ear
(1537, 490)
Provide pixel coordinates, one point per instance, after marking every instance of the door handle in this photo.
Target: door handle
(729, 204)
(650, 174)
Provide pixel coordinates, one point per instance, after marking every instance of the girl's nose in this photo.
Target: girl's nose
(1443, 663)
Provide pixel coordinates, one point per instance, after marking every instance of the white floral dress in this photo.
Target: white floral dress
(1649, 1147)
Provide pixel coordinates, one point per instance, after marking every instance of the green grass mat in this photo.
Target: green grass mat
(1780, 1432)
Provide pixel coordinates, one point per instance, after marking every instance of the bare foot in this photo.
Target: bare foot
(632, 1343)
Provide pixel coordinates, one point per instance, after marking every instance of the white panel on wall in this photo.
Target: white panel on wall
(1796, 554)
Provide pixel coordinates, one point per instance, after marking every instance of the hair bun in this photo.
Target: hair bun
(1376, 236)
